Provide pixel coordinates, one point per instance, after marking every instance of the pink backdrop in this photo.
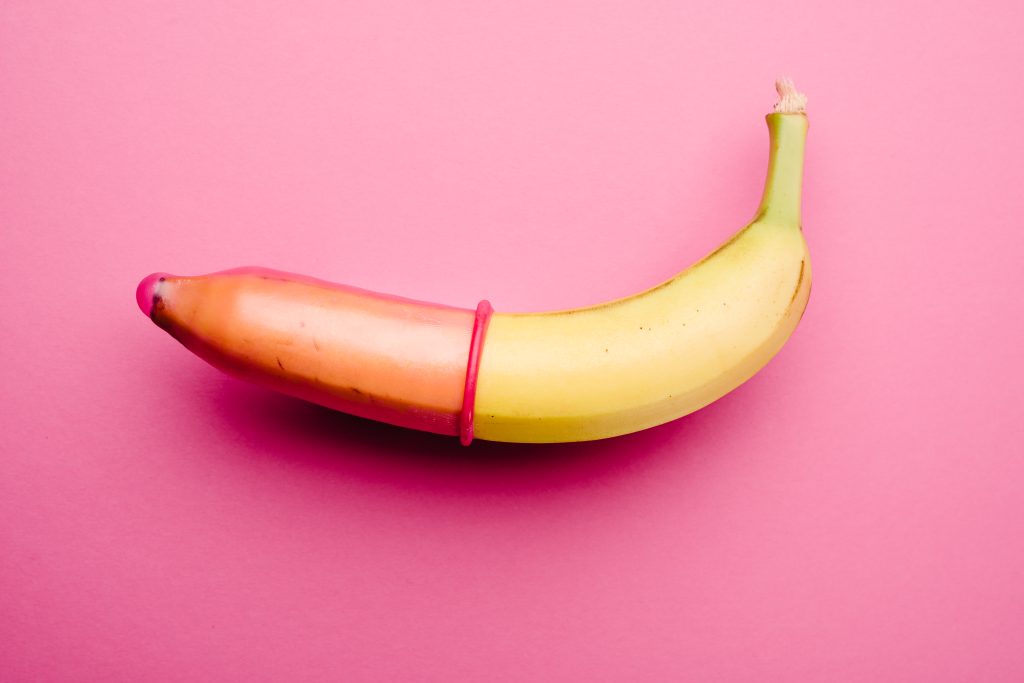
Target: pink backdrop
(854, 513)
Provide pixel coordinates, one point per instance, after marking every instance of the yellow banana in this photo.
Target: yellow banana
(630, 364)
(573, 375)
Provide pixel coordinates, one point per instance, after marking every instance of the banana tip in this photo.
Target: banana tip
(147, 291)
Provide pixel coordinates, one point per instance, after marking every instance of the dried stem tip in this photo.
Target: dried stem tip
(790, 100)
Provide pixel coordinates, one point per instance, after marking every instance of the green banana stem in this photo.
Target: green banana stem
(787, 131)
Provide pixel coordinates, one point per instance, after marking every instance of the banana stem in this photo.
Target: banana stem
(787, 132)
(791, 100)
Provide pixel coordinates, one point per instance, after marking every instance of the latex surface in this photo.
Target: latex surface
(387, 358)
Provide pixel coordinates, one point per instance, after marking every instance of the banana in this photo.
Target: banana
(572, 375)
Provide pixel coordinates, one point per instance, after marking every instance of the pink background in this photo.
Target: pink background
(854, 513)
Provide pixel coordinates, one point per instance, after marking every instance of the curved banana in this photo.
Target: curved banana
(573, 375)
